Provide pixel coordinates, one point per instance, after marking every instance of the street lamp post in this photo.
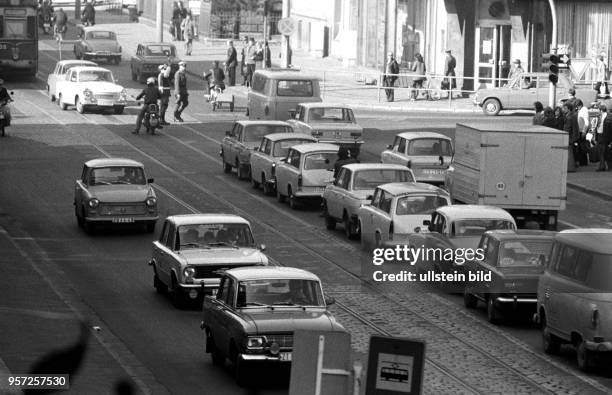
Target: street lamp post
(159, 20)
(552, 90)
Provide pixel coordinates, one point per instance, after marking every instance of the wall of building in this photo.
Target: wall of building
(315, 25)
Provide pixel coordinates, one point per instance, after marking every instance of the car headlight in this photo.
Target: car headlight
(93, 203)
(189, 272)
(87, 93)
(123, 95)
(256, 342)
(151, 201)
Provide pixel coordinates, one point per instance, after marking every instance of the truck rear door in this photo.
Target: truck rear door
(503, 167)
(545, 171)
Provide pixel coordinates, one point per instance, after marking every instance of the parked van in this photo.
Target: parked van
(274, 93)
(575, 296)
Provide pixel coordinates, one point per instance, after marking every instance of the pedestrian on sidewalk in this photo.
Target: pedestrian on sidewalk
(243, 67)
(450, 64)
(559, 118)
(538, 118)
(187, 33)
(164, 84)
(172, 29)
(230, 63)
(183, 14)
(420, 69)
(516, 70)
(601, 76)
(194, 8)
(180, 91)
(599, 138)
(391, 72)
(584, 124)
(259, 55)
(267, 55)
(571, 127)
(89, 14)
(251, 58)
(607, 142)
(176, 20)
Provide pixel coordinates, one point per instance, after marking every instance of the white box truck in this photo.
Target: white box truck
(522, 169)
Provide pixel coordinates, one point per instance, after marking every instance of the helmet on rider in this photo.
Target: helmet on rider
(150, 81)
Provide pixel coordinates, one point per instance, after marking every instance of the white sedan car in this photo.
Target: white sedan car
(91, 87)
(59, 73)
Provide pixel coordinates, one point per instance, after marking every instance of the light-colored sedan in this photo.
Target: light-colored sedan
(239, 143)
(398, 209)
(272, 150)
(91, 87)
(59, 73)
(114, 191)
(305, 173)
(192, 250)
(353, 187)
(428, 154)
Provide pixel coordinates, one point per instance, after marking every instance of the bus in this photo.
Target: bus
(18, 37)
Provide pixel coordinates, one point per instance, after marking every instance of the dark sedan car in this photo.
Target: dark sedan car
(149, 56)
(94, 42)
(515, 261)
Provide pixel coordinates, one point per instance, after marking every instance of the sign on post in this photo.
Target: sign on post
(287, 26)
(395, 366)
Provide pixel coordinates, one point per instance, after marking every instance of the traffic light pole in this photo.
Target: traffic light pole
(552, 90)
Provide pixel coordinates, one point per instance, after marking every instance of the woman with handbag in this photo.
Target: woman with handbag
(187, 33)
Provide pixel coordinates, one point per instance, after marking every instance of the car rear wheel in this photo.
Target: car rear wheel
(349, 228)
(330, 223)
(293, 201)
(491, 107)
(583, 357)
(550, 342)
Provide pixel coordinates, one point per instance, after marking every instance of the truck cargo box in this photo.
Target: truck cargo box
(513, 167)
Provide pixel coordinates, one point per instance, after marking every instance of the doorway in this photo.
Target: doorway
(492, 55)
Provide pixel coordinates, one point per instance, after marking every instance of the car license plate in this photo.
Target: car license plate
(123, 220)
(105, 103)
(284, 356)
(104, 53)
(433, 171)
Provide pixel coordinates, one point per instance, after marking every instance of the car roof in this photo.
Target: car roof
(374, 166)
(402, 188)
(210, 218)
(106, 162)
(77, 61)
(95, 29)
(324, 105)
(270, 122)
(147, 43)
(424, 134)
(270, 272)
(289, 136)
(89, 68)
(310, 147)
(475, 211)
(596, 240)
(286, 74)
(521, 234)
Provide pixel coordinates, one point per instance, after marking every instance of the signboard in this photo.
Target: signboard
(287, 26)
(395, 366)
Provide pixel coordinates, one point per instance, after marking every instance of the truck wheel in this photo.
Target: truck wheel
(550, 342)
(491, 107)
(469, 300)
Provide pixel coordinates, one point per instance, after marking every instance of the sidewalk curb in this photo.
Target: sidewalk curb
(590, 191)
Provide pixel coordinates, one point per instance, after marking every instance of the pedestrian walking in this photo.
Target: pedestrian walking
(516, 70)
(571, 96)
(180, 91)
(607, 142)
(89, 14)
(183, 14)
(549, 117)
(391, 72)
(571, 127)
(601, 76)
(417, 82)
(230, 63)
(450, 63)
(172, 29)
(538, 118)
(559, 118)
(243, 66)
(250, 59)
(164, 84)
(584, 124)
(259, 55)
(187, 33)
(599, 138)
(267, 55)
(176, 20)
(194, 9)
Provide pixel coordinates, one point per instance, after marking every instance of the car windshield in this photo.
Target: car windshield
(595, 270)
(117, 175)
(214, 235)
(98, 75)
(320, 161)
(476, 227)
(524, 252)
(280, 292)
(423, 204)
(430, 146)
(281, 148)
(160, 50)
(255, 133)
(370, 179)
(331, 114)
(101, 35)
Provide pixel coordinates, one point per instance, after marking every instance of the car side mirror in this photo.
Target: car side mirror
(369, 197)
(426, 222)
(291, 113)
(228, 133)
(329, 300)
(262, 247)
(390, 146)
(150, 180)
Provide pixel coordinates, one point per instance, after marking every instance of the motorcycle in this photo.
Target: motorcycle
(151, 119)
(4, 117)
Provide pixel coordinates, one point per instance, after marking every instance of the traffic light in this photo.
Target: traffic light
(550, 62)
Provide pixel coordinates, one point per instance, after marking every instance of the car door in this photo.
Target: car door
(522, 96)
(291, 171)
(235, 142)
(366, 214)
(397, 154)
(226, 315)
(256, 160)
(491, 250)
(214, 317)
(382, 219)
(160, 253)
(559, 290)
(168, 258)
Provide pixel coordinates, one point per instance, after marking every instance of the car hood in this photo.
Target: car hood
(362, 194)
(103, 45)
(220, 255)
(160, 59)
(336, 126)
(102, 86)
(289, 319)
(120, 193)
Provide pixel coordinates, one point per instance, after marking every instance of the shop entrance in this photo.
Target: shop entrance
(492, 55)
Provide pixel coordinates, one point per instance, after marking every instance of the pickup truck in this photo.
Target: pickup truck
(521, 92)
(522, 170)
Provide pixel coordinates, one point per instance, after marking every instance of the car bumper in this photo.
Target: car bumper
(504, 300)
(263, 358)
(598, 347)
(105, 103)
(102, 54)
(123, 219)
(312, 193)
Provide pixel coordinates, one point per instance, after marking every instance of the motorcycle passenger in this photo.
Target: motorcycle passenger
(218, 76)
(151, 96)
(60, 19)
(163, 81)
(5, 98)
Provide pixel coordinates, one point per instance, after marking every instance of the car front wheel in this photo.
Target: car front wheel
(491, 107)
(79, 105)
(550, 342)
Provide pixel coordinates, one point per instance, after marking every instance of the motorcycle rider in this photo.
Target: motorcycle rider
(60, 19)
(163, 81)
(5, 98)
(46, 13)
(151, 96)
(218, 76)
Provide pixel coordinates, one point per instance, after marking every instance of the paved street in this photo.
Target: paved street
(49, 265)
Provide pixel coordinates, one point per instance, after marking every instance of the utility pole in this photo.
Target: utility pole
(552, 90)
(285, 46)
(159, 20)
(77, 10)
